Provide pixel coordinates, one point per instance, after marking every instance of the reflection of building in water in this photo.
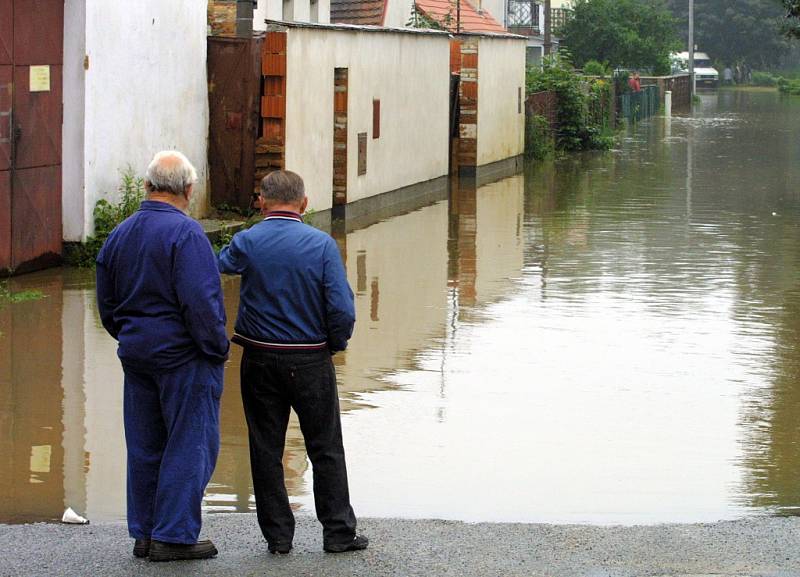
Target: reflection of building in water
(62, 441)
(61, 427)
(231, 486)
(398, 270)
(31, 453)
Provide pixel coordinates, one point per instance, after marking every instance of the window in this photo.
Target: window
(362, 153)
(376, 118)
(523, 14)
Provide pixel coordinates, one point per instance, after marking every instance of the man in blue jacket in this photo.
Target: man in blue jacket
(159, 295)
(295, 311)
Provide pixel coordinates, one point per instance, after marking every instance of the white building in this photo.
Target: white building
(134, 83)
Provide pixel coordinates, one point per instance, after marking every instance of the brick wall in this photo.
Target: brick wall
(222, 17)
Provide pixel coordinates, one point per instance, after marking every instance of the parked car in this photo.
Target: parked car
(705, 75)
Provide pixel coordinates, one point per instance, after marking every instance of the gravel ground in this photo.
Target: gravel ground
(758, 546)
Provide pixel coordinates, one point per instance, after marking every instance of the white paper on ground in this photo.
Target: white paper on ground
(71, 516)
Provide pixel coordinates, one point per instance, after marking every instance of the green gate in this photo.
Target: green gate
(636, 106)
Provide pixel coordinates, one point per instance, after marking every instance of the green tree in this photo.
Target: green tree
(792, 24)
(736, 31)
(622, 33)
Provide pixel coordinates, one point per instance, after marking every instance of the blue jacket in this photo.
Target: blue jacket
(294, 287)
(159, 291)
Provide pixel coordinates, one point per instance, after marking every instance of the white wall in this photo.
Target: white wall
(497, 8)
(144, 89)
(72, 160)
(397, 13)
(408, 72)
(501, 74)
(273, 10)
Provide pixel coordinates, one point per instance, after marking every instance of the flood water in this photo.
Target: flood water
(610, 338)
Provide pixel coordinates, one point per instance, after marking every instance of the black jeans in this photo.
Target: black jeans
(272, 383)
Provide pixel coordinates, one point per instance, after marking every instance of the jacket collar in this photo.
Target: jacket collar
(283, 215)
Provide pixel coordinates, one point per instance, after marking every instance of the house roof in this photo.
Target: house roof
(360, 12)
(472, 20)
(371, 13)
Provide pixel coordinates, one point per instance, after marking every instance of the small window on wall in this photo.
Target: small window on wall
(376, 118)
(362, 153)
(314, 11)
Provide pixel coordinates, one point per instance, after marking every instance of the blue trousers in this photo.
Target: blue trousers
(172, 435)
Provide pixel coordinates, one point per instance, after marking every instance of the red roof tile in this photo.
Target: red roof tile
(472, 20)
(359, 12)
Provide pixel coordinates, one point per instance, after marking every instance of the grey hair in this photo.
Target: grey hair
(170, 171)
(283, 186)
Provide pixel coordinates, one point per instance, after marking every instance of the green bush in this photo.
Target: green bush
(763, 79)
(106, 218)
(578, 129)
(595, 68)
(7, 296)
(538, 138)
(788, 86)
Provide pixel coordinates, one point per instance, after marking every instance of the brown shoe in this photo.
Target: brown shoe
(141, 548)
(160, 551)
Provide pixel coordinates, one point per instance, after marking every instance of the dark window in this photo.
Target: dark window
(376, 118)
(362, 153)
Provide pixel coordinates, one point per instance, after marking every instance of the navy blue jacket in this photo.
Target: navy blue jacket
(159, 291)
(294, 286)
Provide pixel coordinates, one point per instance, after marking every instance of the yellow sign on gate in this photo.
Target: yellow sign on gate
(40, 78)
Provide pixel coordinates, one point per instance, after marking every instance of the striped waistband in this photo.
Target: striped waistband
(268, 346)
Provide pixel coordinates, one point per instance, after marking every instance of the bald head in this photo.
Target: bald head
(170, 172)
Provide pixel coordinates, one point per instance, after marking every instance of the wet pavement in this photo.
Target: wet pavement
(764, 547)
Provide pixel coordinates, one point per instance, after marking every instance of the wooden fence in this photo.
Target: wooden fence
(544, 104)
(680, 85)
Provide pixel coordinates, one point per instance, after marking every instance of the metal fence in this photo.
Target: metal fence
(636, 106)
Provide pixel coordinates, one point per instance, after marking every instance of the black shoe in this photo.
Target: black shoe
(358, 543)
(282, 548)
(141, 548)
(160, 551)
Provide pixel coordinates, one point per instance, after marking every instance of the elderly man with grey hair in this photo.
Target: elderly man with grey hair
(159, 295)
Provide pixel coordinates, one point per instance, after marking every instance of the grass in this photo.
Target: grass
(7, 296)
(748, 88)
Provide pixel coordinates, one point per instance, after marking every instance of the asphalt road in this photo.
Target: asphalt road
(760, 546)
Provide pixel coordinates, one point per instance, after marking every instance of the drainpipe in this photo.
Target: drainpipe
(548, 40)
(244, 18)
(691, 46)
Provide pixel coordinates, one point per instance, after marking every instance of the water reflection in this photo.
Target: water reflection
(609, 338)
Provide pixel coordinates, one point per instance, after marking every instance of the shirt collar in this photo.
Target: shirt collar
(159, 205)
(283, 215)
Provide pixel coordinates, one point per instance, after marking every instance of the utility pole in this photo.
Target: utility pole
(548, 40)
(691, 46)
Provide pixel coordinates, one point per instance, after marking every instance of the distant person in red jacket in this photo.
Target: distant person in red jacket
(635, 83)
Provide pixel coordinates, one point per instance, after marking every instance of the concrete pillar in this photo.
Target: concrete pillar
(244, 18)
(668, 103)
